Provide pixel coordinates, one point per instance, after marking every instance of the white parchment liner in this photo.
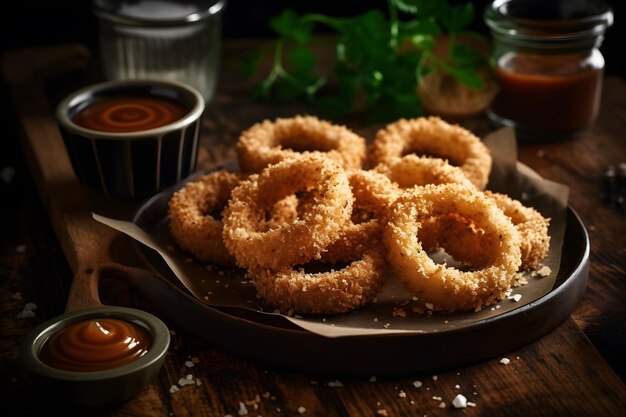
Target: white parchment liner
(220, 287)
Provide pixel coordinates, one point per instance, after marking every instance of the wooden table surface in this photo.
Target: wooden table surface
(576, 369)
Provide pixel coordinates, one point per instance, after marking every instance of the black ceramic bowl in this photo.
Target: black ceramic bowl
(95, 388)
(132, 163)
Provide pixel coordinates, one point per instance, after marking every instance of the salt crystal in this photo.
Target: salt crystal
(459, 401)
(442, 405)
(417, 384)
(471, 404)
(335, 383)
(517, 297)
(243, 411)
(174, 389)
(301, 410)
(373, 379)
(505, 361)
(402, 394)
(189, 364)
(435, 377)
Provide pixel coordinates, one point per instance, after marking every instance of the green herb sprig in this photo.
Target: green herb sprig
(379, 58)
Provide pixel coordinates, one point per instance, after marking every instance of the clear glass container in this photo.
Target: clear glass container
(548, 65)
(173, 40)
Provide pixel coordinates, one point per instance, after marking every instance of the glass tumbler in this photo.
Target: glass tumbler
(547, 61)
(167, 39)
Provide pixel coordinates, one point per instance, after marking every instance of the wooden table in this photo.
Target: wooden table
(563, 373)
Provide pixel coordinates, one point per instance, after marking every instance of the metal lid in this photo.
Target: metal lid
(156, 13)
(553, 24)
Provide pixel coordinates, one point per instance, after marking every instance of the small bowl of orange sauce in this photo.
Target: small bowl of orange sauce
(96, 357)
(132, 138)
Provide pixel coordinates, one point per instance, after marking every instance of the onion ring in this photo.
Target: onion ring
(532, 227)
(434, 137)
(450, 289)
(270, 142)
(412, 170)
(192, 224)
(333, 292)
(297, 241)
(373, 194)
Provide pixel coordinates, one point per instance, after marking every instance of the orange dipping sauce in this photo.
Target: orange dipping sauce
(548, 93)
(96, 345)
(130, 113)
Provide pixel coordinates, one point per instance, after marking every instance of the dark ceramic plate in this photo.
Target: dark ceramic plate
(275, 340)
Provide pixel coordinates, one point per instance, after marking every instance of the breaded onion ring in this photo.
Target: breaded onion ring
(300, 240)
(195, 222)
(448, 288)
(532, 227)
(270, 142)
(373, 194)
(333, 292)
(434, 137)
(412, 170)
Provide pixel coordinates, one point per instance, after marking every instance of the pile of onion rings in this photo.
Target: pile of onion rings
(317, 234)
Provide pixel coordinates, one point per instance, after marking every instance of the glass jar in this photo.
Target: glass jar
(173, 40)
(547, 64)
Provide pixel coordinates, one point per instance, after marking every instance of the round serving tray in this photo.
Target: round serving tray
(275, 340)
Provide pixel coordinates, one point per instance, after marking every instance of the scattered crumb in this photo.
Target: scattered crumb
(7, 174)
(387, 325)
(373, 379)
(335, 383)
(301, 410)
(471, 404)
(429, 306)
(17, 296)
(437, 398)
(399, 312)
(435, 377)
(172, 332)
(189, 364)
(382, 412)
(442, 405)
(243, 410)
(417, 384)
(28, 311)
(544, 271)
(174, 389)
(402, 394)
(20, 248)
(505, 361)
(457, 386)
(195, 360)
(459, 401)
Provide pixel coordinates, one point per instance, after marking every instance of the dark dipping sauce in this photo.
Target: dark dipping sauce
(550, 93)
(95, 345)
(130, 113)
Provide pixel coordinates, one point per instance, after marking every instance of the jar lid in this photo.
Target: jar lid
(156, 13)
(558, 23)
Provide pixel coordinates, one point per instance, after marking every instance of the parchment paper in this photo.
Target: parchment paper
(394, 310)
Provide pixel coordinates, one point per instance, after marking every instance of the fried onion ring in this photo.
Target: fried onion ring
(291, 242)
(447, 288)
(434, 137)
(373, 194)
(270, 142)
(332, 292)
(194, 216)
(532, 227)
(412, 170)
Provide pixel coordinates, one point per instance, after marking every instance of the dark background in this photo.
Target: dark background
(43, 22)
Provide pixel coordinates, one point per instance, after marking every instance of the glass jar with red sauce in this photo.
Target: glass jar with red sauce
(548, 65)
